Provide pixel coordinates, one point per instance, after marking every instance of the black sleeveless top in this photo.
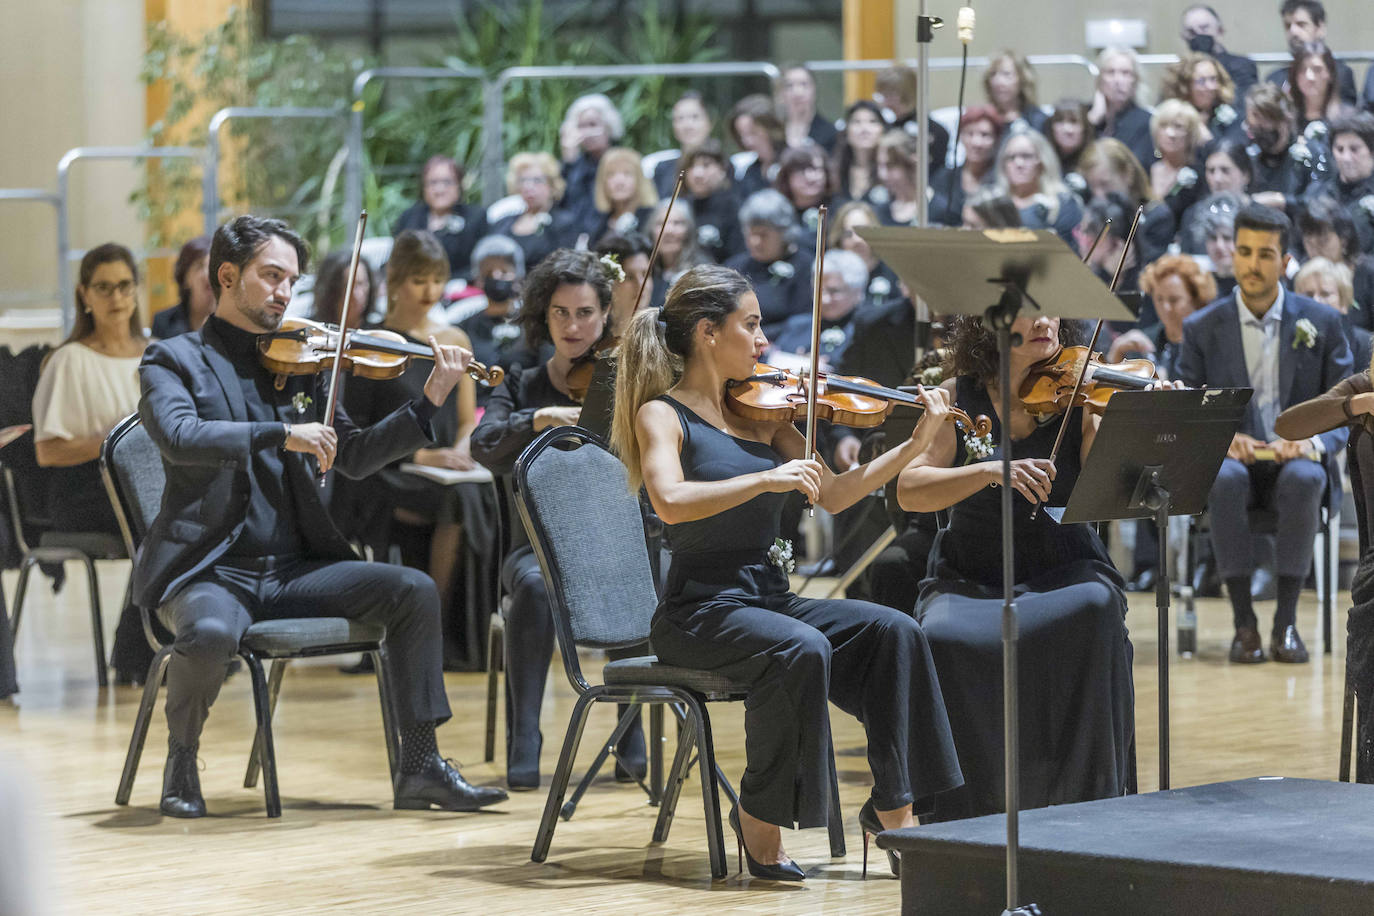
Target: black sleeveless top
(710, 454)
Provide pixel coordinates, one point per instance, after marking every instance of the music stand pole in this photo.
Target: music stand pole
(925, 33)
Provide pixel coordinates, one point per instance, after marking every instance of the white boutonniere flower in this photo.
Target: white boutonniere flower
(781, 270)
(1225, 115)
(1316, 130)
(832, 338)
(1304, 333)
(504, 334)
(1367, 205)
(455, 223)
(542, 220)
(879, 287)
(300, 400)
(976, 448)
(1187, 177)
(780, 555)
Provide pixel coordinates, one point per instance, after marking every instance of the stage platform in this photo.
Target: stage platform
(1268, 845)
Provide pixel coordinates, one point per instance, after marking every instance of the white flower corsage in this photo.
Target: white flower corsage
(1316, 130)
(879, 286)
(832, 338)
(541, 221)
(1301, 152)
(781, 270)
(976, 448)
(1304, 333)
(811, 218)
(455, 223)
(931, 376)
(1187, 177)
(300, 400)
(611, 264)
(780, 555)
(1076, 182)
(1367, 205)
(504, 334)
(880, 195)
(1225, 115)
(708, 236)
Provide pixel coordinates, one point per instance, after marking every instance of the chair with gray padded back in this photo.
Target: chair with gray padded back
(588, 535)
(132, 468)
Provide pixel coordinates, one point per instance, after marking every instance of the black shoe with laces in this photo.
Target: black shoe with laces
(181, 783)
(439, 784)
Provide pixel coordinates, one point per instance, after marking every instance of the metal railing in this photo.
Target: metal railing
(29, 296)
(210, 178)
(949, 63)
(65, 253)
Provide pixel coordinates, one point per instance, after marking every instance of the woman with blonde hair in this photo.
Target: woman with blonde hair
(1201, 81)
(623, 196)
(539, 228)
(897, 164)
(1028, 172)
(1177, 130)
(1333, 283)
(1009, 86)
(719, 483)
(1114, 112)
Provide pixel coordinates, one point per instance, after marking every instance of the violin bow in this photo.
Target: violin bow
(1097, 331)
(815, 379)
(337, 371)
(653, 255)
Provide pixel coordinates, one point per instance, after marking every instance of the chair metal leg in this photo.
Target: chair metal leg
(496, 647)
(655, 753)
(682, 763)
(607, 749)
(97, 622)
(1347, 731)
(382, 665)
(710, 799)
(156, 669)
(264, 717)
(250, 776)
(1331, 562)
(559, 787)
(25, 568)
(836, 824)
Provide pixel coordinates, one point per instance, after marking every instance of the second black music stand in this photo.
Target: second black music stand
(959, 271)
(1157, 454)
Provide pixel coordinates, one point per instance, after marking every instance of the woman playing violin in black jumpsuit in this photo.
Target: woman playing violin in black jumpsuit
(718, 482)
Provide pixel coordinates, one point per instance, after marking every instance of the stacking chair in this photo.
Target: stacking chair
(588, 535)
(132, 467)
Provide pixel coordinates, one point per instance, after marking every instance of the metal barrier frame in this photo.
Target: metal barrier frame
(65, 254)
(39, 195)
(210, 176)
(948, 63)
(353, 185)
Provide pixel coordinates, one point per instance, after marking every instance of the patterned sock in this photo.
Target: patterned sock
(418, 747)
(1242, 611)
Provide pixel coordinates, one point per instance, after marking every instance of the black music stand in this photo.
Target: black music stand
(1157, 454)
(952, 270)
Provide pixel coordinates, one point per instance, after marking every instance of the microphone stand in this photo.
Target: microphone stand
(925, 33)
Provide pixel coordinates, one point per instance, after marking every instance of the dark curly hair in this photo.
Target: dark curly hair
(562, 266)
(971, 347)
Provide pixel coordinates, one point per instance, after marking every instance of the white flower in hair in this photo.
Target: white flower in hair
(611, 264)
(1304, 333)
(1187, 177)
(1225, 115)
(781, 270)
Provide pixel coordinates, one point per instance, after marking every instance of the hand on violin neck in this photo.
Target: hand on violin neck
(313, 439)
(450, 365)
(933, 420)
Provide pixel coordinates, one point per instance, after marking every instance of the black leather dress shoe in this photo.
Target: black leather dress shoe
(1287, 646)
(440, 785)
(181, 783)
(1246, 647)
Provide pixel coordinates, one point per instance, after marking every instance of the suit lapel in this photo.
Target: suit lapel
(1288, 356)
(213, 352)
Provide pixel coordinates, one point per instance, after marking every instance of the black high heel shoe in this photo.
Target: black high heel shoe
(782, 871)
(868, 820)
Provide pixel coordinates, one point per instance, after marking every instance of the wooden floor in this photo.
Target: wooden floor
(339, 845)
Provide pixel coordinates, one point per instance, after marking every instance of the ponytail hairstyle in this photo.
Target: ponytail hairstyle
(657, 343)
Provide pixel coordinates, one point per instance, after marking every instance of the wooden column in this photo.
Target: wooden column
(869, 34)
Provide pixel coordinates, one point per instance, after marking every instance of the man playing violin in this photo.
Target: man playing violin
(243, 534)
(1288, 348)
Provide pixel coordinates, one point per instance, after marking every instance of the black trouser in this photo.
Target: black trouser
(210, 614)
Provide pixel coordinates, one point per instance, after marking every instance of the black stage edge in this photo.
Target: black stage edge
(1253, 846)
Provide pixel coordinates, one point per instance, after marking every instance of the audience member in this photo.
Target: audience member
(804, 178)
(898, 162)
(1069, 132)
(1109, 167)
(678, 251)
(856, 152)
(591, 127)
(714, 200)
(539, 228)
(195, 301)
(1177, 132)
(86, 386)
(498, 267)
(756, 128)
(1202, 82)
(1028, 173)
(631, 251)
(692, 127)
(796, 91)
(1201, 30)
(1326, 230)
(882, 282)
(844, 280)
(779, 273)
(980, 131)
(1114, 111)
(990, 208)
(1313, 89)
(1009, 87)
(1286, 164)
(441, 211)
(1352, 186)
(1332, 283)
(1226, 170)
(330, 279)
(895, 90)
(624, 197)
(1304, 22)
(1218, 242)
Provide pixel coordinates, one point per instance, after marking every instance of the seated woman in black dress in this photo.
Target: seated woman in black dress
(719, 483)
(567, 303)
(195, 301)
(805, 179)
(980, 132)
(441, 211)
(715, 200)
(623, 197)
(778, 270)
(1077, 723)
(86, 386)
(539, 228)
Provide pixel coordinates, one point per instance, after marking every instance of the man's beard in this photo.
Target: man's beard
(263, 317)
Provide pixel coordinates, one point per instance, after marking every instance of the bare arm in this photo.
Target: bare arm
(1345, 402)
(676, 499)
(930, 483)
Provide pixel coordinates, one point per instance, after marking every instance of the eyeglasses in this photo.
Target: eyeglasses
(109, 290)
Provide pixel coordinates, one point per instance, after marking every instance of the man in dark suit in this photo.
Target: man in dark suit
(1304, 21)
(1201, 28)
(243, 535)
(1288, 348)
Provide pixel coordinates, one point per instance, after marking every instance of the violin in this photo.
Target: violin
(305, 347)
(1052, 385)
(776, 395)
